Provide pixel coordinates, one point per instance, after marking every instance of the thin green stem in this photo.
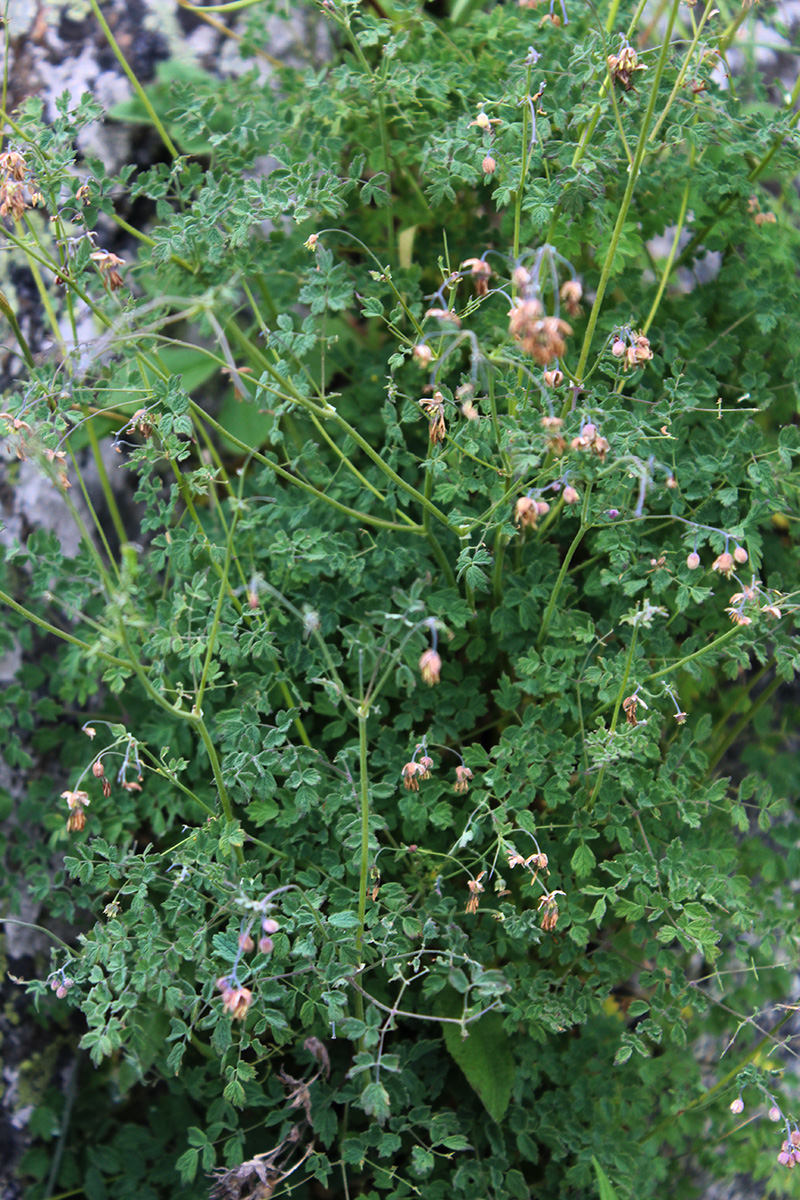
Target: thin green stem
(525, 158)
(744, 721)
(633, 176)
(91, 651)
(363, 716)
(682, 73)
(137, 87)
(676, 666)
(222, 791)
(668, 265)
(615, 717)
(576, 541)
(105, 483)
(367, 518)
(212, 636)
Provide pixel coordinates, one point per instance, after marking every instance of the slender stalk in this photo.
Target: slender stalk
(224, 798)
(363, 716)
(744, 721)
(91, 651)
(523, 164)
(576, 541)
(137, 87)
(105, 483)
(676, 666)
(682, 73)
(367, 518)
(212, 636)
(667, 266)
(633, 176)
(617, 706)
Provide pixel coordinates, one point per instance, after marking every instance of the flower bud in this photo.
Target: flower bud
(570, 495)
(737, 1105)
(422, 354)
(740, 554)
(97, 770)
(489, 166)
(246, 943)
(774, 1113)
(693, 561)
(269, 925)
(618, 348)
(266, 945)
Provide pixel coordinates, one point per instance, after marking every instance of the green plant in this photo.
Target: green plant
(411, 715)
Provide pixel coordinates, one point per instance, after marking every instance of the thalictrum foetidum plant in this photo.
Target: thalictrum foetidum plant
(418, 786)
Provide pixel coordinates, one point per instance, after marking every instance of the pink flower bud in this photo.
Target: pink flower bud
(266, 945)
(693, 561)
(489, 166)
(570, 495)
(61, 992)
(740, 554)
(618, 348)
(774, 1113)
(269, 925)
(737, 1105)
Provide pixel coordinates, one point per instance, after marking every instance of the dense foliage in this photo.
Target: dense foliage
(424, 826)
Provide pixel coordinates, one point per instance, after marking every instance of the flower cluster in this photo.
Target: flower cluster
(622, 66)
(790, 1150)
(420, 769)
(539, 335)
(527, 512)
(18, 191)
(633, 348)
(61, 984)
(590, 440)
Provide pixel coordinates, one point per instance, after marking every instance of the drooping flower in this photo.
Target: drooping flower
(430, 666)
